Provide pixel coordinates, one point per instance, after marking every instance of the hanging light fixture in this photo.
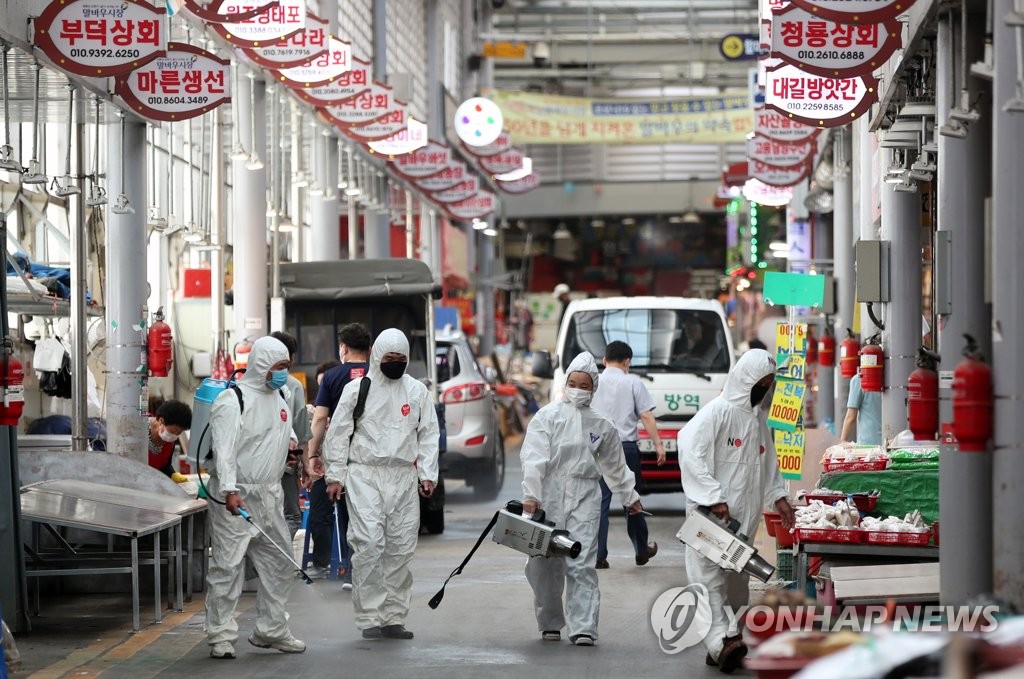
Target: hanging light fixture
(7, 161)
(35, 175)
(122, 206)
(561, 233)
(67, 188)
(691, 216)
(97, 194)
(894, 175)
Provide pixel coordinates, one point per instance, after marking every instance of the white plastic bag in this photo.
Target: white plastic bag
(49, 354)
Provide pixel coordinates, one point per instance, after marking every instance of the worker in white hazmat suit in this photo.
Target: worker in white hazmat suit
(395, 444)
(251, 429)
(728, 463)
(567, 449)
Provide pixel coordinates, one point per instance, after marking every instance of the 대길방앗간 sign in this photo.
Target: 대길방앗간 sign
(382, 128)
(425, 162)
(817, 100)
(856, 11)
(282, 20)
(460, 191)
(319, 70)
(522, 185)
(348, 85)
(773, 175)
(100, 38)
(306, 45)
(364, 108)
(773, 125)
(184, 83)
(474, 207)
(777, 152)
(829, 48)
(448, 176)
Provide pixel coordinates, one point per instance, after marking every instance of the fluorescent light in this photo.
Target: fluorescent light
(778, 245)
(691, 217)
(352, 191)
(254, 163)
(490, 232)
(628, 221)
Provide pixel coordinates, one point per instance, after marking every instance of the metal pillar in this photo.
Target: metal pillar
(249, 203)
(298, 193)
(901, 226)
(485, 244)
(326, 234)
(825, 401)
(410, 227)
(377, 227)
(217, 234)
(1007, 312)
(79, 285)
(842, 248)
(868, 166)
(963, 185)
(126, 317)
(435, 71)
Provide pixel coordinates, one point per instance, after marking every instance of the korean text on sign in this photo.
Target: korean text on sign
(789, 449)
(787, 404)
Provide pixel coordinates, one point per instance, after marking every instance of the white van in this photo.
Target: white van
(682, 348)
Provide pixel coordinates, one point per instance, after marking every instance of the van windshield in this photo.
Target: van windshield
(663, 340)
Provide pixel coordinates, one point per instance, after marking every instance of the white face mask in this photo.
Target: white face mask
(166, 436)
(579, 397)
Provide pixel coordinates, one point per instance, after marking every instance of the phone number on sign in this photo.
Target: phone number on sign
(107, 53)
(813, 106)
(177, 100)
(829, 54)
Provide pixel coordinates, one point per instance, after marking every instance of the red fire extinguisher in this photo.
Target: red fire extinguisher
(923, 397)
(872, 367)
(11, 384)
(242, 350)
(849, 355)
(827, 349)
(159, 346)
(812, 348)
(972, 400)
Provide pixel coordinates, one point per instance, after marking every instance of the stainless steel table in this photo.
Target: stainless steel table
(185, 507)
(54, 509)
(875, 553)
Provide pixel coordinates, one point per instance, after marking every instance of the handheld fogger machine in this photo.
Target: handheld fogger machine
(723, 544)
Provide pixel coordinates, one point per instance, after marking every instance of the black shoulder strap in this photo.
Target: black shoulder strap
(238, 393)
(435, 601)
(364, 389)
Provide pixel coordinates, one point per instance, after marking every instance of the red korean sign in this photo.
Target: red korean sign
(184, 83)
(348, 85)
(448, 176)
(280, 21)
(527, 183)
(816, 100)
(829, 48)
(480, 205)
(364, 108)
(304, 46)
(460, 191)
(425, 162)
(502, 143)
(320, 70)
(101, 37)
(736, 174)
(856, 11)
(772, 175)
(777, 127)
(200, 11)
(382, 128)
(779, 153)
(503, 162)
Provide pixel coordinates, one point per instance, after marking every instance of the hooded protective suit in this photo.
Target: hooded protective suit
(250, 453)
(726, 454)
(566, 451)
(395, 444)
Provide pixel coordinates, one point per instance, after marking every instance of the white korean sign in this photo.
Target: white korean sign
(773, 175)
(320, 70)
(424, 162)
(480, 205)
(502, 143)
(348, 85)
(382, 128)
(407, 140)
(816, 100)
(184, 83)
(779, 153)
(527, 183)
(460, 191)
(759, 192)
(448, 176)
(503, 162)
(773, 125)
(304, 46)
(856, 11)
(282, 20)
(364, 108)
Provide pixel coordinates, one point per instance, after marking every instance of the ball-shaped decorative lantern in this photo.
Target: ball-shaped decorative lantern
(478, 121)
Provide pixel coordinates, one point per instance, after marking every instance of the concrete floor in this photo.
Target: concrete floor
(484, 627)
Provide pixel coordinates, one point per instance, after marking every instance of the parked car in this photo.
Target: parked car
(476, 451)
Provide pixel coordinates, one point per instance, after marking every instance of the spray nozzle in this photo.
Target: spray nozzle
(929, 360)
(971, 348)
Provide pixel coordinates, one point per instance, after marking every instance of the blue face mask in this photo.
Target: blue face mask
(278, 378)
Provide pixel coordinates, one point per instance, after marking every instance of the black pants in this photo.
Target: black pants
(636, 525)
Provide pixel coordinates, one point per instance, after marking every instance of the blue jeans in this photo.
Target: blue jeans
(320, 525)
(636, 526)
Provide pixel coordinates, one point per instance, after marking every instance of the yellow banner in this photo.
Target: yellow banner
(782, 335)
(551, 119)
(789, 447)
(787, 405)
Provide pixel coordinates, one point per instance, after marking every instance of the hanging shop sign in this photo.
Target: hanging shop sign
(503, 162)
(787, 405)
(382, 127)
(101, 37)
(451, 174)
(777, 127)
(856, 11)
(345, 87)
(413, 136)
(829, 48)
(741, 47)
(475, 207)
(765, 10)
(280, 21)
(779, 153)
(301, 48)
(461, 191)
(184, 83)
(773, 175)
(368, 106)
(502, 143)
(817, 100)
(320, 70)
(243, 12)
(522, 185)
(789, 447)
(756, 191)
(425, 162)
(736, 174)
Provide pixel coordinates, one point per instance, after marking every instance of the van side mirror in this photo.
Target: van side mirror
(542, 367)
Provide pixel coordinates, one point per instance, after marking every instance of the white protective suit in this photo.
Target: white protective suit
(726, 454)
(394, 447)
(250, 453)
(564, 455)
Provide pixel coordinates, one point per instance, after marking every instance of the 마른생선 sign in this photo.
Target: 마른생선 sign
(829, 48)
(522, 185)
(184, 83)
(369, 105)
(474, 207)
(346, 86)
(818, 100)
(779, 153)
(773, 175)
(777, 127)
(856, 11)
(450, 174)
(281, 20)
(424, 162)
(101, 37)
(296, 50)
(319, 70)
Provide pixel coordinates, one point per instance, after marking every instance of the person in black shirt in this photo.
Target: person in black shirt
(353, 349)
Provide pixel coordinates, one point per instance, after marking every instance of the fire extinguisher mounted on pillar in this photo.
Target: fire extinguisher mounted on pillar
(923, 396)
(872, 365)
(827, 349)
(812, 347)
(159, 344)
(11, 383)
(849, 355)
(242, 350)
(972, 400)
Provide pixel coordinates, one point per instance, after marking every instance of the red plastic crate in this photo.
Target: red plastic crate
(874, 537)
(856, 466)
(784, 537)
(865, 503)
(852, 536)
(771, 521)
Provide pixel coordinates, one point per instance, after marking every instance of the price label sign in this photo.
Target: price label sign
(789, 448)
(787, 405)
(798, 333)
(791, 366)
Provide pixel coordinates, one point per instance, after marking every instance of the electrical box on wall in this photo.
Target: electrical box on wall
(872, 262)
